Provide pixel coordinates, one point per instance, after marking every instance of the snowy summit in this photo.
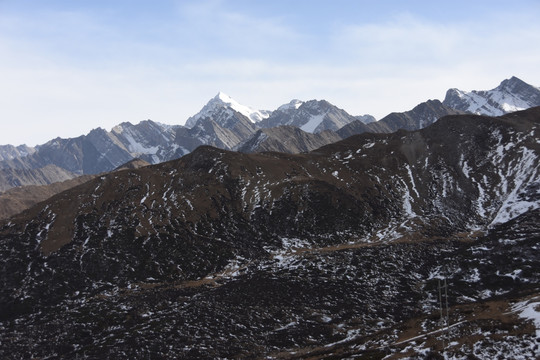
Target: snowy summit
(292, 105)
(222, 100)
(511, 95)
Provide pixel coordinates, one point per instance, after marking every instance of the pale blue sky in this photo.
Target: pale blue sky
(69, 66)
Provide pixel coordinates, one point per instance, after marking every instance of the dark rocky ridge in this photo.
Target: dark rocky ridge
(222, 254)
(419, 117)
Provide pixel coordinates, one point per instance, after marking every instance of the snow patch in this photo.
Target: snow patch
(293, 104)
(516, 203)
(312, 123)
(529, 310)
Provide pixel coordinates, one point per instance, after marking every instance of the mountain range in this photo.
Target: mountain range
(511, 95)
(226, 124)
(404, 244)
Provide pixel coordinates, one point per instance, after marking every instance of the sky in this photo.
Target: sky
(67, 67)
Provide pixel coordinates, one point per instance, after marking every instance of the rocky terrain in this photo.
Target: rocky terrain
(13, 177)
(17, 199)
(339, 252)
(419, 117)
(287, 139)
(20, 198)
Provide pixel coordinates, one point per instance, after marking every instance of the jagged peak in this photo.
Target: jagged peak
(427, 103)
(512, 83)
(222, 100)
(120, 128)
(293, 104)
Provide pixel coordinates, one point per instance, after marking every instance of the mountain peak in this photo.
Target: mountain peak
(293, 104)
(512, 84)
(221, 96)
(221, 101)
(511, 95)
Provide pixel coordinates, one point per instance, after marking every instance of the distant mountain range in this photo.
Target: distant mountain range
(226, 124)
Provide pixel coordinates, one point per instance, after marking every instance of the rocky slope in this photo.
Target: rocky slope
(287, 139)
(511, 95)
(338, 251)
(207, 131)
(419, 117)
(8, 152)
(48, 174)
(20, 198)
(133, 164)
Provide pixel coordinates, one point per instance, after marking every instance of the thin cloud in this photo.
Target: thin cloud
(104, 72)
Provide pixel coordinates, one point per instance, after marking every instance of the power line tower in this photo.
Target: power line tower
(443, 308)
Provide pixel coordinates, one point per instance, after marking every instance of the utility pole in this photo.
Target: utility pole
(444, 315)
(441, 321)
(446, 299)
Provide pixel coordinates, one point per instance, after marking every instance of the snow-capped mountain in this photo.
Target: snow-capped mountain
(214, 110)
(336, 253)
(511, 95)
(312, 116)
(148, 140)
(225, 123)
(294, 104)
(98, 151)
